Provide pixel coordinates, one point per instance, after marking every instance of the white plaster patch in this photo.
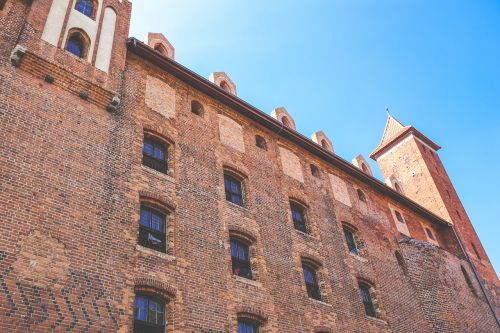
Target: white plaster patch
(106, 40)
(291, 164)
(55, 21)
(339, 188)
(231, 133)
(160, 97)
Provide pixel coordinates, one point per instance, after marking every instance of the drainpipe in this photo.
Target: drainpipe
(476, 274)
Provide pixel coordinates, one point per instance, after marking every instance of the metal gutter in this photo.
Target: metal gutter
(147, 53)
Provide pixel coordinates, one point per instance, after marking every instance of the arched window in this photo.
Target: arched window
(364, 168)
(314, 171)
(361, 195)
(325, 144)
(77, 44)
(155, 154)
(196, 108)
(299, 217)
(311, 281)
(260, 142)
(366, 293)
(476, 251)
(468, 280)
(240, 258)
(430, 234)
(152, 229)
(350, 237)
(149, 314)
(234, 189)
(247, 326)
(397, 187)
(286, 122)
(161, 49)
(86, 7)
(225, 86)
(401, 262)
(399, 217)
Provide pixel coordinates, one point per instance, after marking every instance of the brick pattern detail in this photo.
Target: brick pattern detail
(291, 164)
(231, 133)
(160, 97)
(339, 188)
(66, 80)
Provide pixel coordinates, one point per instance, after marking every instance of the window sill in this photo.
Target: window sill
(319, 302)
(306, 235)
(358, 257)
(377, 321)
(152, 252)
(242, 208)
(158, 174)
(247, 281)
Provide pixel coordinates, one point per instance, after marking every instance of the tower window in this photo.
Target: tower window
(77, 44)
(350, 240)
(311, 281)
(245, 326)
(86, 7)
(161, 49)
(366, 298)
(196, 108)
(314, 171)
(240, 258)
(361, 195)
(299, 217)
(286, 122)
(225, 86)
(149, 315)
(476, 251)
(398, 188)
(154, 155)
(364, 168)
(152, 229)
(430, 234)
(233, 188)
(325, 144)
(260, 142)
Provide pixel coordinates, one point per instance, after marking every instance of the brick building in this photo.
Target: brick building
(137, 196)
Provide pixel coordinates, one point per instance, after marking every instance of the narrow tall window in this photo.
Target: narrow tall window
(76, 45)
(149, 315)
(361, 195)
(350, 240)
(299, 217)
(286, 122)
(260, 142)
(311, 281)
(398, 188)
(366, 297)
(2, 4)
(154, 155)
(240, 259)
(233, 188)
(364, 168)
(152, 229)
(314, 171)
(476, 251)
(225, 86)
(399, 217)
(245, 326)
(467, 280)
(86, 7)
(401, 262)
(324, 144)
(196, 108)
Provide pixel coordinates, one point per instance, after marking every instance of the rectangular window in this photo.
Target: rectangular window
(233, 190)
(154, 155)
(247, 327)
(240, 259)
(299, 217)
(149, 315)
(311, 282)
(350, 240)
(152, 229)
(366, 297)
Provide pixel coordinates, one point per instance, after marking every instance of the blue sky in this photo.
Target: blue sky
(336, 64)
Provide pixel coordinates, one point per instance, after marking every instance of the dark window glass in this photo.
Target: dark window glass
(325, 144)
(311, 282)
(361, 195)
(314, 171)
(247, 327)
(196, 108)
(366, 297)
(233, 189)
(399, 217)
(152, 229)
(351, 241)
(76, 45)
(86, 7)
(429, 233)
(398, 188)
(2, 4)
(154, 155)
(299, 217)
(240, 259)
(260, 142)
(401, 262)
(364, 168)
(149, 315)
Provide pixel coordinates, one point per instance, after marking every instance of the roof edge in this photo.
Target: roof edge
(181, 72)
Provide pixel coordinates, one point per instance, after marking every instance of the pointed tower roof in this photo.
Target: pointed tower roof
(395, 130)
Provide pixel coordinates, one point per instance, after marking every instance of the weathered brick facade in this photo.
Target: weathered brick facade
(72, 184)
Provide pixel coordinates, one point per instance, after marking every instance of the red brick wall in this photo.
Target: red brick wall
(71, 186)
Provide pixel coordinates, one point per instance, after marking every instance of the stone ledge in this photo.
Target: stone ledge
(151, 252)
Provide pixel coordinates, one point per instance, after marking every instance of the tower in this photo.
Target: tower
(410, 164)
